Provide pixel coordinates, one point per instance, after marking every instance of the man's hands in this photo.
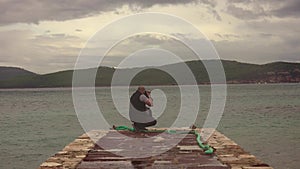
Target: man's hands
(149, 101)
(148, 92)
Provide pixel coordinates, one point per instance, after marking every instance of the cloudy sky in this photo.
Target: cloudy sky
(46, 36)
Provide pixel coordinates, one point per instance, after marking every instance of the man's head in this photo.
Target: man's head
(141, 89)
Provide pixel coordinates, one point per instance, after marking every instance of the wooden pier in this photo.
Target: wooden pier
(83, 153)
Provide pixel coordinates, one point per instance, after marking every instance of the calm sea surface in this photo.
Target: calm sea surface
(263, 119)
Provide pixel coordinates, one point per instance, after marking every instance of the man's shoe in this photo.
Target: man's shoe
(136, 129)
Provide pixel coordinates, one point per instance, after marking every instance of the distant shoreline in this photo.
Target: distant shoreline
(70, 88)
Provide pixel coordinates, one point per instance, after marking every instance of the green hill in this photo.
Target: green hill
(7, 73)
(236, 72)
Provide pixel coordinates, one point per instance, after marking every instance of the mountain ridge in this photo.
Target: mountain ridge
(7, 72)
(236, 72)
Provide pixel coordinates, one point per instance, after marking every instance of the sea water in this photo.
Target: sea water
(263, 119)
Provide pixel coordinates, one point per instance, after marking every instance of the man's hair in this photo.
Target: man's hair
(141, 88)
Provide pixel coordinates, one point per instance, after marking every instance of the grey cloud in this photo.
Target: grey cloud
(33, 11)
(54, 38)
(216, 15)
(59, 35)
(218, 35)
(257, 9)
(211, 3)
(266, 34)
(227, 36)
(238, 1)
(290, 9)
(242, 13)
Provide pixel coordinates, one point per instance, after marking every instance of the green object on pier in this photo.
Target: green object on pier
(124, 128)
(205, 147)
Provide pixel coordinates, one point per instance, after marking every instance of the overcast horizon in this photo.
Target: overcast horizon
(45, 37)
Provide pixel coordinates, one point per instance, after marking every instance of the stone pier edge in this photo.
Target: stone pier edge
(227, 151)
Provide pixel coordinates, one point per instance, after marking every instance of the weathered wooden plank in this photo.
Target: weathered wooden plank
(83, 153)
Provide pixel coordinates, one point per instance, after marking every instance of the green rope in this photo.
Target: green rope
(124, 128)
(206, 148)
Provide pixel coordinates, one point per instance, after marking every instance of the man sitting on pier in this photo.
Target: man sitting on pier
(139, 112)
